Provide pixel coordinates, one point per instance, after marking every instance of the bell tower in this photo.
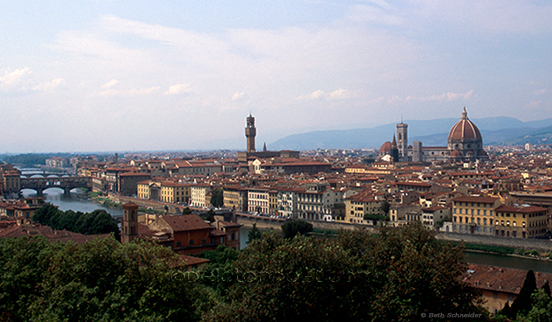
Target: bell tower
(130, 222)
(402, 141)
(250, 133)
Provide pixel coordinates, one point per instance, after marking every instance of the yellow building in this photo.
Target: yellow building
(474, 214)
(166, 191)
(273, 202)
(235, 198)
(359, 205)
(520, 221)
(175, 192)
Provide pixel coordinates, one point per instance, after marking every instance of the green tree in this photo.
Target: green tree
(282, 279)
(253, 234)
(217, 198)
(44, 214)
(220, 274)
(541, 309)
(523, 302)
(102, 280)
(409, 268)
(385, 206)
(292, 228)
(395, 275)
(209, 215)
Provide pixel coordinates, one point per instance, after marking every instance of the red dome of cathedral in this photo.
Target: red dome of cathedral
(464, 130)
(385, 148)
(455, 154)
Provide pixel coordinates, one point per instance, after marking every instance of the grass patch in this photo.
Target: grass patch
(503, 250)
(328, 233)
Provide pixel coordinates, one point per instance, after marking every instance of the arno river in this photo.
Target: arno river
(79, 202)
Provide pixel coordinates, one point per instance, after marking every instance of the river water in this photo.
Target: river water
(77, 200)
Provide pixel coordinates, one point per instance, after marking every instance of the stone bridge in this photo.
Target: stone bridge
(66, 183)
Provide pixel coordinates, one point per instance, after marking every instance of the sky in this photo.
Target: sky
(114, 75)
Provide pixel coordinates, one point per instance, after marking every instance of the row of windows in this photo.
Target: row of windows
(461, 211)
(473, 204)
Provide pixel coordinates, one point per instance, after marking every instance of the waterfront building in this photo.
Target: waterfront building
(310, 201)
(520, 221)
(200, 195)
(474, 214)
(359, 205)
(258, 200)
(433, 215)
(129, 182)
(235, 198)
(287, 202)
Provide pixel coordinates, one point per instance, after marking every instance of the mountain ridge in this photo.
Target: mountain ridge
(499, 130)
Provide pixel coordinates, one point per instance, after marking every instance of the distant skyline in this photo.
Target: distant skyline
(110, 75)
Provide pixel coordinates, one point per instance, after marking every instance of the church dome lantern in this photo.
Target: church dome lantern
(464, 130)
(466, 140)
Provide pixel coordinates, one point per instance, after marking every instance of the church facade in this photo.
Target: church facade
(465, 144)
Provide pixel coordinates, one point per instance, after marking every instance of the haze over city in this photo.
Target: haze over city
(110, 75)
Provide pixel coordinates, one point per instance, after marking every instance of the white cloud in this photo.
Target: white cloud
(178, 89)
(540, 91)
(14, 78)
(238, 96)
(110, 92)
(50, 86)
(533, 104)
(111, 83)
(443, 97)
(321, 95)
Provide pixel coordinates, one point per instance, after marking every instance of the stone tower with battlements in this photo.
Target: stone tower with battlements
(250, 133)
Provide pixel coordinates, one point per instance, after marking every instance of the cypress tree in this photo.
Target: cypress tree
(523, 302)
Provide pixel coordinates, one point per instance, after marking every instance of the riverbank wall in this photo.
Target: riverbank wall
(157, 205)
(270, 223)
(543, 245)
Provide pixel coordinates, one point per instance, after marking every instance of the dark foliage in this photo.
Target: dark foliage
(96, 222)
(253, 234)
(102, 280)
(396, 275)
(293, 228)
(217, 198)
(523, 302)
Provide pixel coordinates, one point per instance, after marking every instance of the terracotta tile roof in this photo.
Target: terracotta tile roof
(191, 260)
(501, 279)
(520, 209)
(185, 222)
(475, 199)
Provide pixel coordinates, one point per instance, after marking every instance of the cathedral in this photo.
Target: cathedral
(465, 144)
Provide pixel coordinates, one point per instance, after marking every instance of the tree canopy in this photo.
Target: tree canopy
(292, 228)
(96, 222)
(102, 280)
(395, 275)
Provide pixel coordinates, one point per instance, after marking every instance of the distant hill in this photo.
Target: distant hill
(495, 130)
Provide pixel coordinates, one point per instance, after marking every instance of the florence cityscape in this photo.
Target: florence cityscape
(309, 160)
